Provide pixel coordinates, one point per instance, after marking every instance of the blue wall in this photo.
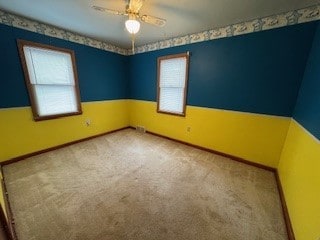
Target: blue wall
(102, 75)
(307, 111)
(259, 72)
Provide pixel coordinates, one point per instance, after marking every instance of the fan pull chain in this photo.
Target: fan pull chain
(132, 41)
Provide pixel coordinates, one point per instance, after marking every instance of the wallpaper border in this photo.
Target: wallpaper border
(261, 24)
(275, 21)
(13, 20)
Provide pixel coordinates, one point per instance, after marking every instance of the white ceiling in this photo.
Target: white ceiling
(183, 16)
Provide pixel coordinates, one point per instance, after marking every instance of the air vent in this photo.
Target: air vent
(141, 129)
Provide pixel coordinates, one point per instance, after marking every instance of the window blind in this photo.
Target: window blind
(172, 84)
(52, 79)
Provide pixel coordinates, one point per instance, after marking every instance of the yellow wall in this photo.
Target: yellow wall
(299, 171)
(21, 135)
(254, 137)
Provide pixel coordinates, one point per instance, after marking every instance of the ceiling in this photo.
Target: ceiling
(183, 16)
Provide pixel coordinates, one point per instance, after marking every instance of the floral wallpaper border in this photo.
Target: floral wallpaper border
(276, 21)
(45, 29)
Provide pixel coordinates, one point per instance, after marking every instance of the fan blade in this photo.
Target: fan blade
(135, 5)
(102, 9)
(153, 20)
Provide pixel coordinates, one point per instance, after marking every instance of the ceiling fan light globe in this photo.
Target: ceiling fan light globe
(132, 26)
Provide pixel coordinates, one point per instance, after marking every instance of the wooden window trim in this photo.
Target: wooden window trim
(21, 43)
(180, 55)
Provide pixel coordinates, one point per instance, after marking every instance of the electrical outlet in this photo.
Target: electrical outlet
(88, 122)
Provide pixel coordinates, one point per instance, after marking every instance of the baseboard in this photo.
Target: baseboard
(284, 208)
(235, 158)
(10, 219)
(22, 157)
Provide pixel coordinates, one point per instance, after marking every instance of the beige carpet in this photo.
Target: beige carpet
(129, 185)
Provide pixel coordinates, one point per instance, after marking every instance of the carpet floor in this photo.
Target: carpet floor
(129, 185)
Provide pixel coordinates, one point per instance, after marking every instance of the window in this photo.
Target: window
(172, 83)
(51, 79)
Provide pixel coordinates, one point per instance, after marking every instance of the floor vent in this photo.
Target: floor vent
(141, 129)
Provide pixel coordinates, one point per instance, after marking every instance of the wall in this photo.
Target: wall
(241, 94)
(103, 84)
(300, 160)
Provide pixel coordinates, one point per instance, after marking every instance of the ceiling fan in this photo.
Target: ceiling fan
(132, 11)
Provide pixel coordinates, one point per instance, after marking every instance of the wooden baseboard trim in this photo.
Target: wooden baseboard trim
(238, 159)
(22, 157)
(10, 219)
(284, 208)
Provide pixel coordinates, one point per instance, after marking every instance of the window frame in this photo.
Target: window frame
(179, 55)
(32, 95)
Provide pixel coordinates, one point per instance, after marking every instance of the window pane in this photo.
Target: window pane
(173, 72)
(172, 83)
(51, 77)
(49, 67)
(171, 100)
(55, 99)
